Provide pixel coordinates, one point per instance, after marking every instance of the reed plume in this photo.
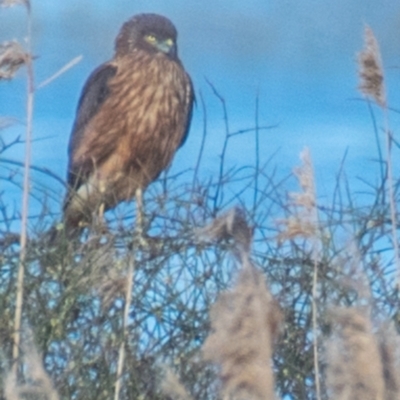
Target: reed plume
(389, 347)
(371, 69)
(37, 381)
(354, 369)
(244, 322)
(12, 57)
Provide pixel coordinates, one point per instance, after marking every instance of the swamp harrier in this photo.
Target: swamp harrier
(133, 114)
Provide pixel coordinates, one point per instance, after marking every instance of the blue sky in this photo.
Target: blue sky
(299, 56)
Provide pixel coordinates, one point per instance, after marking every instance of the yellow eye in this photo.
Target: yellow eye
(151, 38)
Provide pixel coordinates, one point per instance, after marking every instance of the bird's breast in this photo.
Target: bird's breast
(145, 119)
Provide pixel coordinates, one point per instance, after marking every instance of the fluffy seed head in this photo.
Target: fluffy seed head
(371, 69)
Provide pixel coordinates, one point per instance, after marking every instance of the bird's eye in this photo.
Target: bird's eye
(150, 38)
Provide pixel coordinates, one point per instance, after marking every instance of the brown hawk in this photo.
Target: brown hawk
(133, 114)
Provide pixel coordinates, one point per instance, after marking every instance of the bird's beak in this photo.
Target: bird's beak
(167, 46)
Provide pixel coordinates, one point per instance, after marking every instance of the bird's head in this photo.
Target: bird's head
(150, 32)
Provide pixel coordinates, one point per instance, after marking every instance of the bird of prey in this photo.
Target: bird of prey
(133, 114)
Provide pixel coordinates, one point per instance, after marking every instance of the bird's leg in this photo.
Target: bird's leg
(139, 209)
(102, 189)
(140, 217)
(101, 212)
(99, 223)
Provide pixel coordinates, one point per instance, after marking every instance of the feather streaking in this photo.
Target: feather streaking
(133, 114)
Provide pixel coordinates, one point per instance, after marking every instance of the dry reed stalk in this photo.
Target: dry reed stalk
(25, 197)
(128, 301)
(12, 57)
(139, 238)
(372, 85)
(305, 223)
(354, 370)
(245, 322)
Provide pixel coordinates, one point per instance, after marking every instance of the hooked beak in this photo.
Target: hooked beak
(167, 46)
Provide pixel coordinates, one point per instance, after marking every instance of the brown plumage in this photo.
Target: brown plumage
(133, 114)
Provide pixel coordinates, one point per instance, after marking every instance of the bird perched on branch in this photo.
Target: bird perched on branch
(133, 114)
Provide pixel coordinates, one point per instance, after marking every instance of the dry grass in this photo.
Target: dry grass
(389, 347)
(37, 382)
(30, 83)
(371, 69)
(244, 322)
(372, 85)
(304, 223)
(12, 58)
(303, 220)
(363, 362)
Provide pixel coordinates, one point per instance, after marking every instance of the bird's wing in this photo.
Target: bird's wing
(190, 99)
(94, 93)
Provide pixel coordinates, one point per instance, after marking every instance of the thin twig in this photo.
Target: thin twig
(315, 318)
(247, 130)
(61, 71)
(43, 170)
(378, 144)
(257, 160)
(392, 200)
(315, 257)
(224, 148)
(203, 141)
